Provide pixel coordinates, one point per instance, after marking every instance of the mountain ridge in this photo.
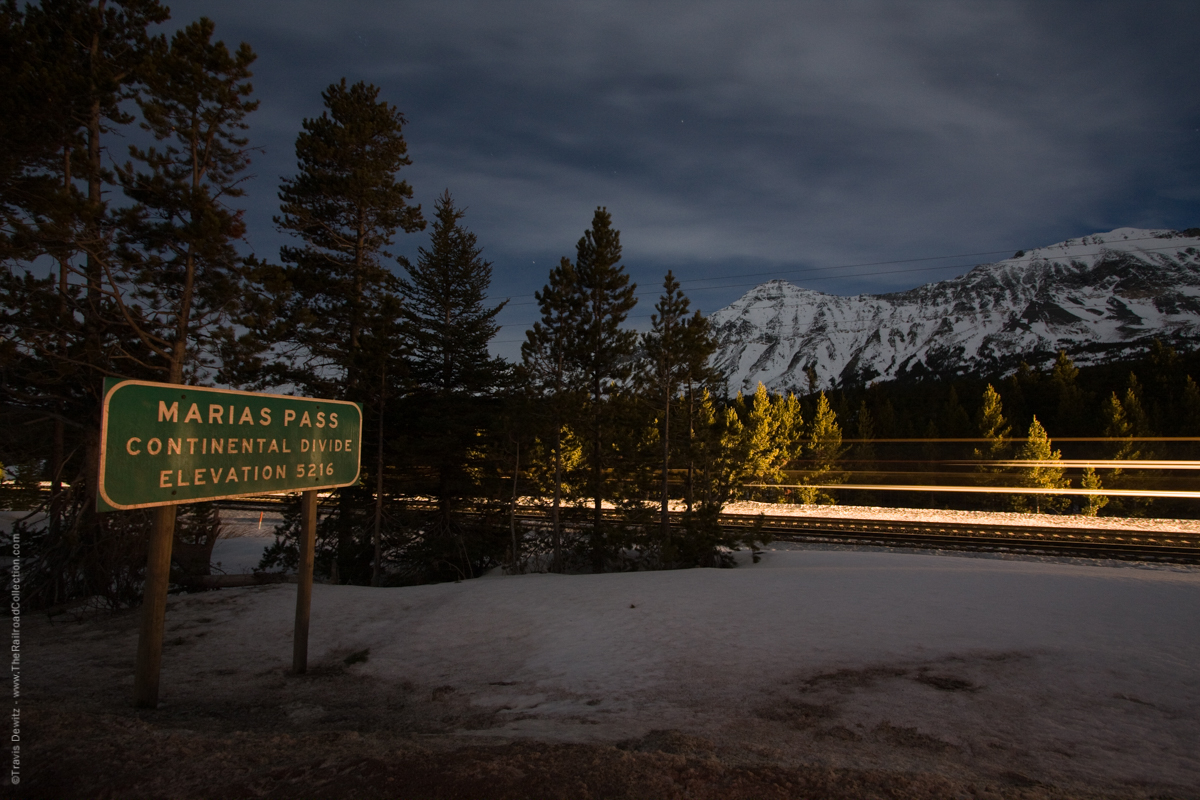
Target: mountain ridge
(1099, 297)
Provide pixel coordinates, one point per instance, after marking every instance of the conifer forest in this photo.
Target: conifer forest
(125, 154)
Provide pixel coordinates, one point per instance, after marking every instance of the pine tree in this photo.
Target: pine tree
(995, 431)
(789, 430)
(177, 238)
(774, 430)
(1118, 431)
(1139, 420)
(1191, 407)
(665, 357)
(699, 344)
(824, 451)
(955, 421)
(345, 203)
(723, 454)
(863, 451)
(1092, 503)
(602, 351)
(1044, 476)
(79, 63)
(545, 355)
(1124, 423)
(100, 315)
(1162, 379)
(1064, 386)
(452, 372)
(445, 297)
(384, 347)
(993, 427)
(41, 117)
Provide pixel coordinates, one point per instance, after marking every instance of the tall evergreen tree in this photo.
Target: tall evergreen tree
(1135, 412)
(1037, 447)
(955, 422)
(722, 453)
(864, 435)
(603, 350)
(545, 355)
(993, 427)
(863, 451)
(83, 63)
(1119, 432)
(445, 296)
(385, 348)
(825, 451)
(176, 242)
(664, 349)
(40, 116)
(995, 430)
(85, 60)
(451, 371)
(1125, 423)
(1064, 383)
(1190, 411)
(699, 375)
(345, 203)
(774, 435)
(762, 455)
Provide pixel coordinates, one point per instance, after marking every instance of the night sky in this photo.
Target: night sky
(735, 142)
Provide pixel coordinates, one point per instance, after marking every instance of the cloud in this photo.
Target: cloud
(778, 135)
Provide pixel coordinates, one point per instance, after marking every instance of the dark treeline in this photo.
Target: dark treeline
(124, 156)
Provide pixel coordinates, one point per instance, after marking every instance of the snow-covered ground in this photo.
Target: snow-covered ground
(1074, 675)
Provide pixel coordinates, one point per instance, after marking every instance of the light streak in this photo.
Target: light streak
(1015, 440)
(1068, 462)
(892, 487)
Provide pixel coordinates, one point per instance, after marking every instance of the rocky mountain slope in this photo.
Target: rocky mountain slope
(1099, 298)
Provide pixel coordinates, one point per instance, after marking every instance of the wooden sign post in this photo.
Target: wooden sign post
(162, 445)
(304, 575)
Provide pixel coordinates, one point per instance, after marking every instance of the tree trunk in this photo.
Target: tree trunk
(597, 486)
(376, 566)
(512, 516)
(64, 317)
(92, 333)
(666, 519)
(555, 524)
(691, 463)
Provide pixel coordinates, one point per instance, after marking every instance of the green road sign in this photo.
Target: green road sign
(163, 444)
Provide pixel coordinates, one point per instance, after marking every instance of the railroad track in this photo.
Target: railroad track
(1075, 541)
(1085, 542)
(1082, 541)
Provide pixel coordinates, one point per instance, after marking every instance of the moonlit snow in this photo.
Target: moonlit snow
(1071, 673)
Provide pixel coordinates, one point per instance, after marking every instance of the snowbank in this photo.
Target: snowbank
(1071, 674)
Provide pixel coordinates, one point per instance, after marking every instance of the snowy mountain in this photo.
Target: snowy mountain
(1099, 298)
